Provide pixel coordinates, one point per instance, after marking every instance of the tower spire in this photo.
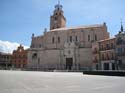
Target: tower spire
(58, 6)
(121, 26)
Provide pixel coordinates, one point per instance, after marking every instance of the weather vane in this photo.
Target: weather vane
(58, 2)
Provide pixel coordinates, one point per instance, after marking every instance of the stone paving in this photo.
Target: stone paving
(58, 82)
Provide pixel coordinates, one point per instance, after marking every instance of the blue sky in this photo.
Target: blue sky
(20, 18)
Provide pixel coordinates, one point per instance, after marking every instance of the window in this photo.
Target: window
(34, 55)
(70, 38)
(107, 55)
(120, 62)
(39, 45)
(112, 45)
(119, 51)
(55, 18)
(107, 46)
(88, 37)
(19, 56)
(102, 56)
(58, 39)
(38, 60)
(69, 52)
(23, 65)
(119, 41)
(106, 66)
(112, 55)
(76, 38)
(95, 37)
(101, 47)
(53, 40)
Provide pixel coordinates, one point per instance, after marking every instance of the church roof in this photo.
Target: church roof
(113, 38)
(78, 27)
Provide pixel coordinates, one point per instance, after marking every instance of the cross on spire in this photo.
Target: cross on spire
(58, 2)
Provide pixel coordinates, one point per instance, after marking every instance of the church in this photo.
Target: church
(64, 48)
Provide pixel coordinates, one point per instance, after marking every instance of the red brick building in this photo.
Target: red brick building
(19, 57)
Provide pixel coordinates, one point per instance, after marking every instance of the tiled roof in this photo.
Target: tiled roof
(78, 27)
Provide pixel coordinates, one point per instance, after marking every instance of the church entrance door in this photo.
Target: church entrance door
(69, 63)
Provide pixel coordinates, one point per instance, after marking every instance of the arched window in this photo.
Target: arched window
(70, 38)
(53, 40)
(58, 39)
(34, 55)
(88, 37)
(76, 38)
(95, 37)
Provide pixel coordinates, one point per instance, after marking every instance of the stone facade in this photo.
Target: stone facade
(64, 47)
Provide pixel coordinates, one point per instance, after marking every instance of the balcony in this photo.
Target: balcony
(106, 48)
(121, 54)
(120, 42)
(107, 58)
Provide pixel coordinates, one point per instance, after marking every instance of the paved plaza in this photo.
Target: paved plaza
(58, 82)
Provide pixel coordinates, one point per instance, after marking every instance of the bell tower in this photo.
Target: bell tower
(57, 20)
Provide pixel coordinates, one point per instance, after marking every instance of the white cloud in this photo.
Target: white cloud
(8, 47)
